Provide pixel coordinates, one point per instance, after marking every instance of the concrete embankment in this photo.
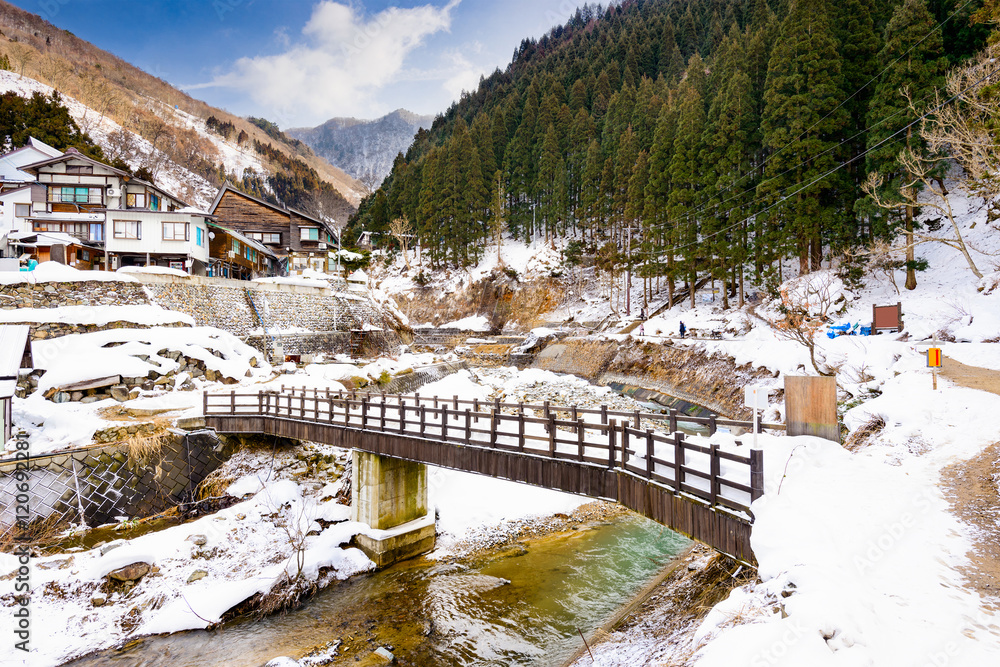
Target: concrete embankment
(714, 382)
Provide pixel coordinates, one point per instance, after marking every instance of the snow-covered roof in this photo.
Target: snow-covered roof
(43, 239)
(13, 341)
(11, 163)
(68, 216)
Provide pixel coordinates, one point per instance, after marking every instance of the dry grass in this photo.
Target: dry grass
(214, 485)
(860, 438)
(39, 533)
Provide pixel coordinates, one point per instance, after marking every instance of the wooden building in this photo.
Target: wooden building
(15, 354)
(233, 255)
(298, 240)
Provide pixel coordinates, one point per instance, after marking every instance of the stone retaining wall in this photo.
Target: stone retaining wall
(244, 309)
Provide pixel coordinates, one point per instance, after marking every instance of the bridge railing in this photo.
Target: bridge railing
(672, 417)
(724, 479)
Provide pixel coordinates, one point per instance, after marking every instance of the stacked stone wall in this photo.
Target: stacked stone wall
(320, 318)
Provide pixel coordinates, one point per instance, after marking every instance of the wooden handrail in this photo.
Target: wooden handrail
(609, 442)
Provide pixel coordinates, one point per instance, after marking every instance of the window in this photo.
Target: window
(178, 265)
(79, 169)
(236, 246)
(310, 233)
(22, 210)
(135, 200)
(128, 229)
(266, 237)
(154, 203)
(83, 255)
(76, 195)
(176, 231)
(198, 236)
(97, 231)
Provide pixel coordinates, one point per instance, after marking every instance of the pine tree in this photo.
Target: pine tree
(913, 76)
(801, 124)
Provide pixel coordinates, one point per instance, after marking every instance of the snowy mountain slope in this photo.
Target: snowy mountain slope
(362, 147)
(171, 176)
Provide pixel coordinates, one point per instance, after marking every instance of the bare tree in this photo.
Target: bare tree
(499, 220)
(806, 305)
(369, 182)
(21, 55)
(401, 230)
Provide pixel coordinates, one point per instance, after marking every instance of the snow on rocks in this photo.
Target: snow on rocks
(187, 576)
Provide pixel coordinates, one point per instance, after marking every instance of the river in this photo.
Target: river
(523, 605)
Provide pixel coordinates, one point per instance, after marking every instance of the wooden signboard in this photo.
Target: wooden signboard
(887, 318)
(811, 406)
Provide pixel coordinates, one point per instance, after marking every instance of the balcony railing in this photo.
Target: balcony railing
(60, 198)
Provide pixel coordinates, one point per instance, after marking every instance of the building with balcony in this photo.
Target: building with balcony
(298, 240)
(134, 222)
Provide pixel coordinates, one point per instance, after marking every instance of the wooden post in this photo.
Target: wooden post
(468, 425)
(637, 427)
(545, 406)
(579, 439)
(552, 434)
(625, 439)
(364, 413)
(475, 408)
(232, 402)
(756, 474)
(444, 422)
(678, 462)
(494, 427)
(673, 420)
(456, 402)
(204, 404)
(714, 467)
(612, 427)
(573, 412)
(649, 453)
(260, 403)
(402, 416)
(520, 430)
(381, 423)
(712, 426)
(423, 419)
(604, 414)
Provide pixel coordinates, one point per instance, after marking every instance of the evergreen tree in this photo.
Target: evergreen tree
(906, 79)
(802, 125)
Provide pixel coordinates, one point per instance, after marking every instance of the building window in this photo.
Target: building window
(97, 231)
(236, 246)
(79, 169)
(176, 231)
(198, 236)
(135, 200)
(310, 233)
(76, 195)
(266, 237)
(83, 255)
(128, 229)
(154, 203)
(178, 265)
(22, 210)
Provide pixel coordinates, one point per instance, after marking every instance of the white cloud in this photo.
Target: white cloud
(342, 62)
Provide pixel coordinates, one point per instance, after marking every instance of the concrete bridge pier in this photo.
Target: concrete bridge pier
(390, 495)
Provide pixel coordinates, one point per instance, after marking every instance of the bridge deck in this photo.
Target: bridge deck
(702, 492)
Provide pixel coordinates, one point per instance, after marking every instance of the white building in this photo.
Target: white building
(132, 220)
(16, 187)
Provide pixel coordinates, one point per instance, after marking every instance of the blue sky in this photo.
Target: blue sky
(300, 62)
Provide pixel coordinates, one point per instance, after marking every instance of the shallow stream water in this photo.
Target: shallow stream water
(525, 605)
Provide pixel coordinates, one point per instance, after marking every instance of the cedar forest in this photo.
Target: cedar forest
(687, 140)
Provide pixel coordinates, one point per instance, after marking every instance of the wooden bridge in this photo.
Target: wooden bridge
(703, 492)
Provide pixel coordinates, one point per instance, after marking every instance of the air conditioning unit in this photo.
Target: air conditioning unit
(113, 192)
(322, 246)
(231, 254)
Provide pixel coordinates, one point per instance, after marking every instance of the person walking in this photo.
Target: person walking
(683, 330)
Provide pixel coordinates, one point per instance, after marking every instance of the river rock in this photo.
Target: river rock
(199, 540)
(131, 572)
(119, 392)
(98, 600)
(196, 575)
(385, 654)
